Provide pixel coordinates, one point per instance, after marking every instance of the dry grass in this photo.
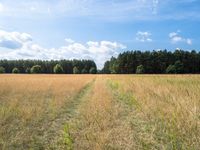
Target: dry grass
(98, 124)
(166, 109)
(110, 112)
(30, 103)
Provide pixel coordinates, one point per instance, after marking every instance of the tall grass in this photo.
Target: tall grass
(30, 104)
(100, 112)
(166, 110)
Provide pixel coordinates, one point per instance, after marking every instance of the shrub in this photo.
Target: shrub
(2, 70)
(15, 70)
(140, 69)
(36, 69)
(171, 69)
(28, 70)
(76, 70)
(179, 67)
(58, 69)
(84, 71)
(93, 70)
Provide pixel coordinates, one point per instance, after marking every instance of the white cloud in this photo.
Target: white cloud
(189, 41)
(69, 41)
(172, 34)
(22, 47)
(143, 36)
(13, 40)
(176, 38)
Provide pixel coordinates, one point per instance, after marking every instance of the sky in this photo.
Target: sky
(95, 29)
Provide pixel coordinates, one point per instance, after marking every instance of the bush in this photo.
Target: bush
(179, 67)
(176, 68)
(140, 69)
(93, 70)
(2, 70)
(15, 70)
(58, 69)
(36, 69)
(171, 69)
(28, 70)
(84, 71)
(76, 70)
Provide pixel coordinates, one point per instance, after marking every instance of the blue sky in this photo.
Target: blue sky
(95, 29)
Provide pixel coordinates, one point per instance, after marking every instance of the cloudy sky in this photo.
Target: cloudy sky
(95, 29)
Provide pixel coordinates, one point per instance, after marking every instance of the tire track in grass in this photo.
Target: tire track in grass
(98, 123)
(53, 129)
(130, 118)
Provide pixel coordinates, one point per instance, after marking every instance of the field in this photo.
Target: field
(99, 112)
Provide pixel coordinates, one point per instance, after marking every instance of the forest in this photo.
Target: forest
(154, 62)
(48, 67)
(128, 62)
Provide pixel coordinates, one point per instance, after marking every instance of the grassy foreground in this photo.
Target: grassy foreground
(99, 112)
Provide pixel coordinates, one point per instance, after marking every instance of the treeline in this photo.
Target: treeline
(49, 67)
(154, 62)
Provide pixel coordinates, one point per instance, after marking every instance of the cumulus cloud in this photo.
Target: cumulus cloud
(69, 41)
(143, 36)
(24, 48)
(176, 38)
(13, 40)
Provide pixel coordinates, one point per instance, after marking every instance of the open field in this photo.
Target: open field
(100, 112)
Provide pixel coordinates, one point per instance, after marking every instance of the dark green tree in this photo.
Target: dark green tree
(140, 69)
(58, 69)
(106, 68)
(93, 70)
(2, 70)
(36, 69)
(15, 70)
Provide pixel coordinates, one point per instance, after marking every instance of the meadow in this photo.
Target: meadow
(99, 112)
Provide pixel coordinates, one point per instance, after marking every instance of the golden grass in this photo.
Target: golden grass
(29, 102)
(101, 122)
(100, 112)
(166, 109)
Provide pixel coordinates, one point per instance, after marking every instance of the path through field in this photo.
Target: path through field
(100, 112)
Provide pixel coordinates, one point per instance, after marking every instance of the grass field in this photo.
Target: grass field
(100, 112)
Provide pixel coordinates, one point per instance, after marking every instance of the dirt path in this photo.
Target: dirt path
(54, 129)
(98, 123)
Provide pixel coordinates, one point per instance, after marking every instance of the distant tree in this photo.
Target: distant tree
(113, 65)
(93, 70)
(2, 70)
(106, 68)
(46, 66)
(140, 69)
(84, 71)
(28, 70)
(15, 70)
(58, 69)
(76, 70)
(179, 67)
(171, 69)
(36, 69)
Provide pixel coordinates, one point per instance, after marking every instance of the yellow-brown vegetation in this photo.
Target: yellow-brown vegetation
(99, 112)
